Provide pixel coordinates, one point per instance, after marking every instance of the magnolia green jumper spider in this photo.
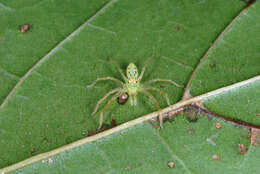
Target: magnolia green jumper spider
(132, 86)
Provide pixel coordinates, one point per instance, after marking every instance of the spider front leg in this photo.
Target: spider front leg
(104, 78)
(119, 69)
(143, 69)
(106, 107)
(160, 91)
(156, 104)
(164, 80)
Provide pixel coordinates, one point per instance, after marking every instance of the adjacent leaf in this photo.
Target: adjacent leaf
(241, 104)
(142, 149)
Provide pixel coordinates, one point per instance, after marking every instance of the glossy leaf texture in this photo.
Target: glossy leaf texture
(71, 44)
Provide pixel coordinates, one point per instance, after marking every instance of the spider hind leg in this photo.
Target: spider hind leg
(106, 107)
(156, 104)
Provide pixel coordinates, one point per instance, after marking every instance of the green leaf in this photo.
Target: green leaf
(204, 45)
(142, 149)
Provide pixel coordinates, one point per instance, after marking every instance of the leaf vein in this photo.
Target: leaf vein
(172, 153)
(58, 46)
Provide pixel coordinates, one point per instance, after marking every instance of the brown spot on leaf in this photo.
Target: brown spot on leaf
(212, 64)
(171, 164)
(122, 99)
(192, 114)
(163, 85)
(215, 157)
(249, 2)
(258, 114)
(241, 149)
(24, 28)
(178, 28)
(255, 136)
(113, 122)
(218, 125)
(33, 150)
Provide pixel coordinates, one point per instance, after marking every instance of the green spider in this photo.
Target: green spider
(132, 87)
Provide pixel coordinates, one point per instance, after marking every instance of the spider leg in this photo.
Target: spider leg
(119, 69)
(143, 69)
(160, 91)
(156, 104)
(106, 107)
(104, 78)
(164, 80)
(103, 98)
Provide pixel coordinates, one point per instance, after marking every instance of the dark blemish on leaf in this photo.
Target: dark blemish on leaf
(171, 164)
(177, 28)
(162, 85)
(215, 157)
(122, 99)
(140, 164)
(241, 149)
(128, 168)
(258, 114)
(24, 28)
(113, 123)
(192, 114)
(92, 132)
(250, 2)
(33, 150)
(212, 64)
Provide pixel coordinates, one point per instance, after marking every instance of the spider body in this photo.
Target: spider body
(132, 87)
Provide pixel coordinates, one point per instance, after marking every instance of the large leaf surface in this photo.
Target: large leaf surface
(51, 106)
(142, 149)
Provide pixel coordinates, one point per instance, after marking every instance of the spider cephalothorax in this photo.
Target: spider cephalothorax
(132, 87)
